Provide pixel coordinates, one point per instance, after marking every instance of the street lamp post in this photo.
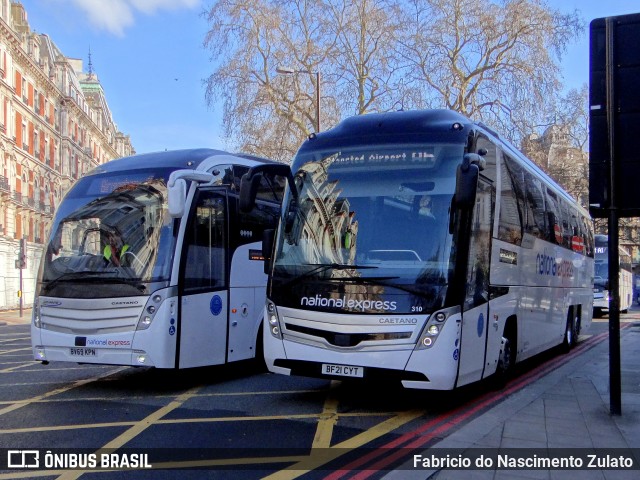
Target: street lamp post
(290, 71)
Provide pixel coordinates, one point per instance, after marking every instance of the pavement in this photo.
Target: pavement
(565, 414)
(14, 316)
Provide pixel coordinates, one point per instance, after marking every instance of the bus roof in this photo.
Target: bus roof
(408, 126)
(411, 126)
(177, 159)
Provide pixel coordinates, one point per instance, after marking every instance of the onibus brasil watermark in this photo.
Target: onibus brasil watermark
(37, 459)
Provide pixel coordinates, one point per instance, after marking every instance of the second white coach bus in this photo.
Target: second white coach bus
(601, 279)
(419, 246)
(150, 263)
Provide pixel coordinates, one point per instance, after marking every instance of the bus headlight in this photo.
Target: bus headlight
(141, 357)
(37, 322)
(272, 320)
(151, 309)
(431, 330)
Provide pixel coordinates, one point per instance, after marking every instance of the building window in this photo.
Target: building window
(25, 138)
(36, 144)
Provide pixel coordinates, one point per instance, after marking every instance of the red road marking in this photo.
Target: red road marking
(445, 422)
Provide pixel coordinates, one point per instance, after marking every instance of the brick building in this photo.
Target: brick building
(55, 125)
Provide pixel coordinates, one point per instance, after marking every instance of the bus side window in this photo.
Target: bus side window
(490, 157)
(511, 206)
(271, 188)
(479, 249)
(536, 222)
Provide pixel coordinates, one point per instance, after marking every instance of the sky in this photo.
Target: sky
(151, 62)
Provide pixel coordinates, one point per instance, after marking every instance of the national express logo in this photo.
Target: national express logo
(550, 265)
(351, 304)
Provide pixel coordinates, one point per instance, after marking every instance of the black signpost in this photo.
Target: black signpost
(614, 155)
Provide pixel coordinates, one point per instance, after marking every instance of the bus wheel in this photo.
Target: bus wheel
(571, 331)
(506, 361)
(259, 358)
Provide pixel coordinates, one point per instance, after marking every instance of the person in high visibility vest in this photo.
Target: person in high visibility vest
(114, 249)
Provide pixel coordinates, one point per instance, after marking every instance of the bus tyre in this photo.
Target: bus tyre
(571, 332)
(505, 363)
(261, 365)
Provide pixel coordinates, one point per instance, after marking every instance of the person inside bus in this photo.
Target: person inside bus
(114, 249)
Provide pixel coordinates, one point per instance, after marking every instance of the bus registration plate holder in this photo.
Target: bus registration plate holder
(83, 352)
(342, 370)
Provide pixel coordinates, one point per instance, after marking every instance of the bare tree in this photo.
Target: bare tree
(495, 61)
(363, 65)
(492, 60)
(572, 110)
(264, 112)
(350, 43)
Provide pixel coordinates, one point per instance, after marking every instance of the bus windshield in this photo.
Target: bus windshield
(371, 222)
(112, 231)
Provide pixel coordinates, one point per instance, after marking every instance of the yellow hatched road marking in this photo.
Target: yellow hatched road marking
(177, 421)
(17, 367)
(49, 368)
(136, 429)
(326, 455)
(145, 397)
(15, 350)
(5, 339)
(22, 403)
(327, 420)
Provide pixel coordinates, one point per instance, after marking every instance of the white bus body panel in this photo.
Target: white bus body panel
(472, 344)
(544, 282)
(209, 320)
(468, 348)
(107, 327)
(439, 362)
(248, 295)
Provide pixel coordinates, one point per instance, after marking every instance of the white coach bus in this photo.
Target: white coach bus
(149, 263)
(421, 247)
(601, 279)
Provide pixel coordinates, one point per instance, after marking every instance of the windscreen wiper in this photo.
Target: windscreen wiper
(91, 277)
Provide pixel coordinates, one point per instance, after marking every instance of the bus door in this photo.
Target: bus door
(203, 321)
(475, 317)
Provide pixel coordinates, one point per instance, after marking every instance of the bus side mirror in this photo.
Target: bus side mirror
(177, 186)
(268, 237)
(177, 198)
(467, 180)
(248, 191)
(250, 182)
